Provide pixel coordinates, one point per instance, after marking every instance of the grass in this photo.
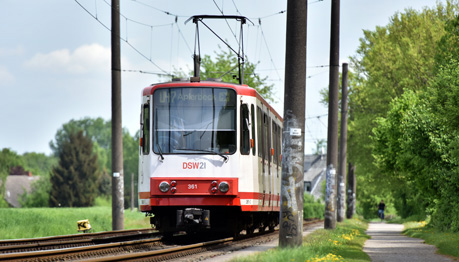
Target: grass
(40, 222)
(345, 243)
(446, 242)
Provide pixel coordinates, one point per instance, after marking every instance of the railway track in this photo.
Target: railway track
(153, 249)
(68, 241)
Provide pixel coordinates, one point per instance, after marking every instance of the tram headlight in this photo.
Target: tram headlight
(164, 186)
(223, 187)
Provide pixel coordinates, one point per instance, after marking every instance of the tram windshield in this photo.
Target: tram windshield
(194, 120)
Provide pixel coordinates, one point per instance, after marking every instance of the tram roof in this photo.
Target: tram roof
(240, 89)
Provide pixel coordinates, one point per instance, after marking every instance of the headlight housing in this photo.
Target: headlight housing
(164, 186)
(223, 187)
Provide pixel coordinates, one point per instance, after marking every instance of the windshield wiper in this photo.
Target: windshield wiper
(189, 133)
(204, 151)
(203, 132)
(160, 151)
(156, 140)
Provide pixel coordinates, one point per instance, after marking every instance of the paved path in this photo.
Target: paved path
(388, 244)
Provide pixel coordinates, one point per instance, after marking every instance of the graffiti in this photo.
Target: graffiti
(330, 209)
(289, 224)
(330, 185)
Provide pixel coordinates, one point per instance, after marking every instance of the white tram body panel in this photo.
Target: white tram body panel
(209, 156)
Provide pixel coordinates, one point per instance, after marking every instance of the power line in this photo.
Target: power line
(319, 66)
(140, 2)
(183, 37)
(318, 116)
(311, 76)
(94, 16)
(221, 11)
(121, 38)
(144, 72)
(237, 10)
(157, 9)
(267, 47)
(134, 21)
(280, 12)
(310, 133)
(266, 16)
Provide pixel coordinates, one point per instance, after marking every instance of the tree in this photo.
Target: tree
(8, 159)
(447, 46)
(38, 163)
(131, 165)
(39, 195)
(224, 66)
(444, 102)
(321, 147)
(74, 180)
(99, 131)
(416, 145)
(390, 61)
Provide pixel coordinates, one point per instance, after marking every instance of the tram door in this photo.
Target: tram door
(266, 138)
(261, 166)
(145, 138)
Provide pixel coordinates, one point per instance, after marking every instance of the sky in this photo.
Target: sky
(55, 56)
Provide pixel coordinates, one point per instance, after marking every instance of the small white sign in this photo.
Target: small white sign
(116, 174)
(295, 131)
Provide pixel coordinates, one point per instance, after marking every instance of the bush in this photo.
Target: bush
(312, 208)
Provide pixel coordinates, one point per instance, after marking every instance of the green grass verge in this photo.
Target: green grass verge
(446, 242)
(40, 222)
(345, 243)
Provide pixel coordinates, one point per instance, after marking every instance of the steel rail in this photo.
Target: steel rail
(117, 251)
(23, 241)
(168, 251)
(71, 253)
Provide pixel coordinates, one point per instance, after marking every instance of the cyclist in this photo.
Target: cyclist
(381, 207)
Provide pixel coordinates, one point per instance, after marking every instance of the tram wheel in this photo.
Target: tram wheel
(250, 230)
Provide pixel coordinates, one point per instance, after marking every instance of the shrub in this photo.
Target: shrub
(312, 208)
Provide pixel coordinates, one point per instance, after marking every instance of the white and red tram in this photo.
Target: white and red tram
(210, 158)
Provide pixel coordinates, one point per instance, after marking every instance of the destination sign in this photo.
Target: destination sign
(177, 95)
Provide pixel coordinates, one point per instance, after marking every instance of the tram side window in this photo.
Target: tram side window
(259, 125)
(275, 135)
(270, 155)
(277, 142)
(265, 137)
(252, 113)
(146, 130)
(245, 134)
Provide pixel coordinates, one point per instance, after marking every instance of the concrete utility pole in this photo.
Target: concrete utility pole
(117, 136)
(292, 187)
(351, 187)
(132, 192)
(342, 149)
(332, 136)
